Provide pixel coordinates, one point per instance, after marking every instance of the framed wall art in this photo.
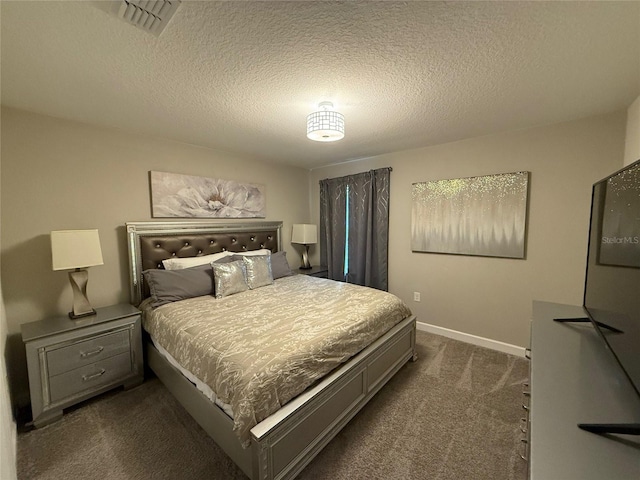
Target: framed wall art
(484, 215)
(187, 196)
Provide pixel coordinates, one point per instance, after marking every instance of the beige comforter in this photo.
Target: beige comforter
(260, 348)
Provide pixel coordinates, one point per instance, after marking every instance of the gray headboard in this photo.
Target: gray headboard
(149, 243)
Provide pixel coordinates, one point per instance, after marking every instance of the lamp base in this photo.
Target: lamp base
(81, 305)
(73, 316)
(305, 258)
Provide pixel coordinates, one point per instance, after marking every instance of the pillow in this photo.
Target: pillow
(279, 265)
(168, 286)
(179, 263)
(229, 278)
(250, 253)
(258, 269)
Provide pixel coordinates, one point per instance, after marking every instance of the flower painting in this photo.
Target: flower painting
(471, 216)
(187, 196)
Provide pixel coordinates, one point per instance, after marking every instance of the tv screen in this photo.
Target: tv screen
(612, 288)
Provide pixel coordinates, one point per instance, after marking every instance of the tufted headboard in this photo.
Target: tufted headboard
(151, 242)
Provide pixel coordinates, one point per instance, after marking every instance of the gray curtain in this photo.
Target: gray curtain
(333, 202)
(368, 239)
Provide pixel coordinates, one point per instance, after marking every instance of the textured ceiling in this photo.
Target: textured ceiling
(242, 76)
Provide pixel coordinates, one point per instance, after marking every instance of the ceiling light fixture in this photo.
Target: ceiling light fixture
(325, 125)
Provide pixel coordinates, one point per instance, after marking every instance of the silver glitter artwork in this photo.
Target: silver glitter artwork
(185, 196)
(471, 216)
(620, 238)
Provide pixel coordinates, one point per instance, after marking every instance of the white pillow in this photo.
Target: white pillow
(262, 251)
(180, 263)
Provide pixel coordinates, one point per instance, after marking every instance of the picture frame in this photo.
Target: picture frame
(188, 196)
(484, 215)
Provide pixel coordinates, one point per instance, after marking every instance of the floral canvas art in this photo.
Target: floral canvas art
(471, 216)
(187, 196)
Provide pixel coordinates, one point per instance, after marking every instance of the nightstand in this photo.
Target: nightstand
(72, 360)
(316, 271)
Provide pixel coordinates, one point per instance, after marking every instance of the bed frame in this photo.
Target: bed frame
(285, 442)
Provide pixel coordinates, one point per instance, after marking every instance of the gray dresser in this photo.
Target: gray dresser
(575, 379)
(72, 360)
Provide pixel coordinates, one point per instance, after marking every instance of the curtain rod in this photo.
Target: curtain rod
(373, 170)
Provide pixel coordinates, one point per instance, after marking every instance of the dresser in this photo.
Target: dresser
(72, 360)
(575, 379)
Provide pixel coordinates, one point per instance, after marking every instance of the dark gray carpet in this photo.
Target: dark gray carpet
(454, 414)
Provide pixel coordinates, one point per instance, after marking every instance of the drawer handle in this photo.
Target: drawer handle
(93, 352)
(527, 353)
(86, 378)
(525, 449)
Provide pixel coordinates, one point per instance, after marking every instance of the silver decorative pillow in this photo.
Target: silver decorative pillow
(229, 278)
(258, 270)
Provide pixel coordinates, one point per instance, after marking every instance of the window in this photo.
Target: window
(345, 271)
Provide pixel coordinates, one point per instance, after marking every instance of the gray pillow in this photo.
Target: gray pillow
(279, 265)
(168, 286)
(229, 278)
(258, 269)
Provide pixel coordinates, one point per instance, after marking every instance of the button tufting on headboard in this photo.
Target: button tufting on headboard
(156, 248)
(154, 242)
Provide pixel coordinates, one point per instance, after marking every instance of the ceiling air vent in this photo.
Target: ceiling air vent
(149, 15)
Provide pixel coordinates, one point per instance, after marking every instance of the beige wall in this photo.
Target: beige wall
(58, 174)
(491, 297)
(7, 423)
(632, 139)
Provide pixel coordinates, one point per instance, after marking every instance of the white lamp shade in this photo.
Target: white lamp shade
(304, 233)
(75, 249)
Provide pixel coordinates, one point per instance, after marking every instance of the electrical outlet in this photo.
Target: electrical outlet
(416, 296)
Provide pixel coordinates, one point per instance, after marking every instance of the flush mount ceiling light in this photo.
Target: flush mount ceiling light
(325, 125)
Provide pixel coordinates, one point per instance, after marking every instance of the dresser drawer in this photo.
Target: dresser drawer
(90, 377)
(79, 354)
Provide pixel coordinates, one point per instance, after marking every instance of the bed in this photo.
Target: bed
(281, 443)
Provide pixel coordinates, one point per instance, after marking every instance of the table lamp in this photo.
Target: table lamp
(76, 250)
(306, 235)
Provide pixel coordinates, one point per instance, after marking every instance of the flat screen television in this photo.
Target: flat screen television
(612, 286)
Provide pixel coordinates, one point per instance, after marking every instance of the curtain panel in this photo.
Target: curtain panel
(362, 239)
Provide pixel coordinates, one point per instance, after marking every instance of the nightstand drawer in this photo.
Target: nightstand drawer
(90, 377)
(87, 352)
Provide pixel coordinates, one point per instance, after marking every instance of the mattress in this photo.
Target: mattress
(199, 384)
(260, 348)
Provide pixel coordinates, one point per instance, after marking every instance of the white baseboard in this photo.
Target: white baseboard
(473, 339)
